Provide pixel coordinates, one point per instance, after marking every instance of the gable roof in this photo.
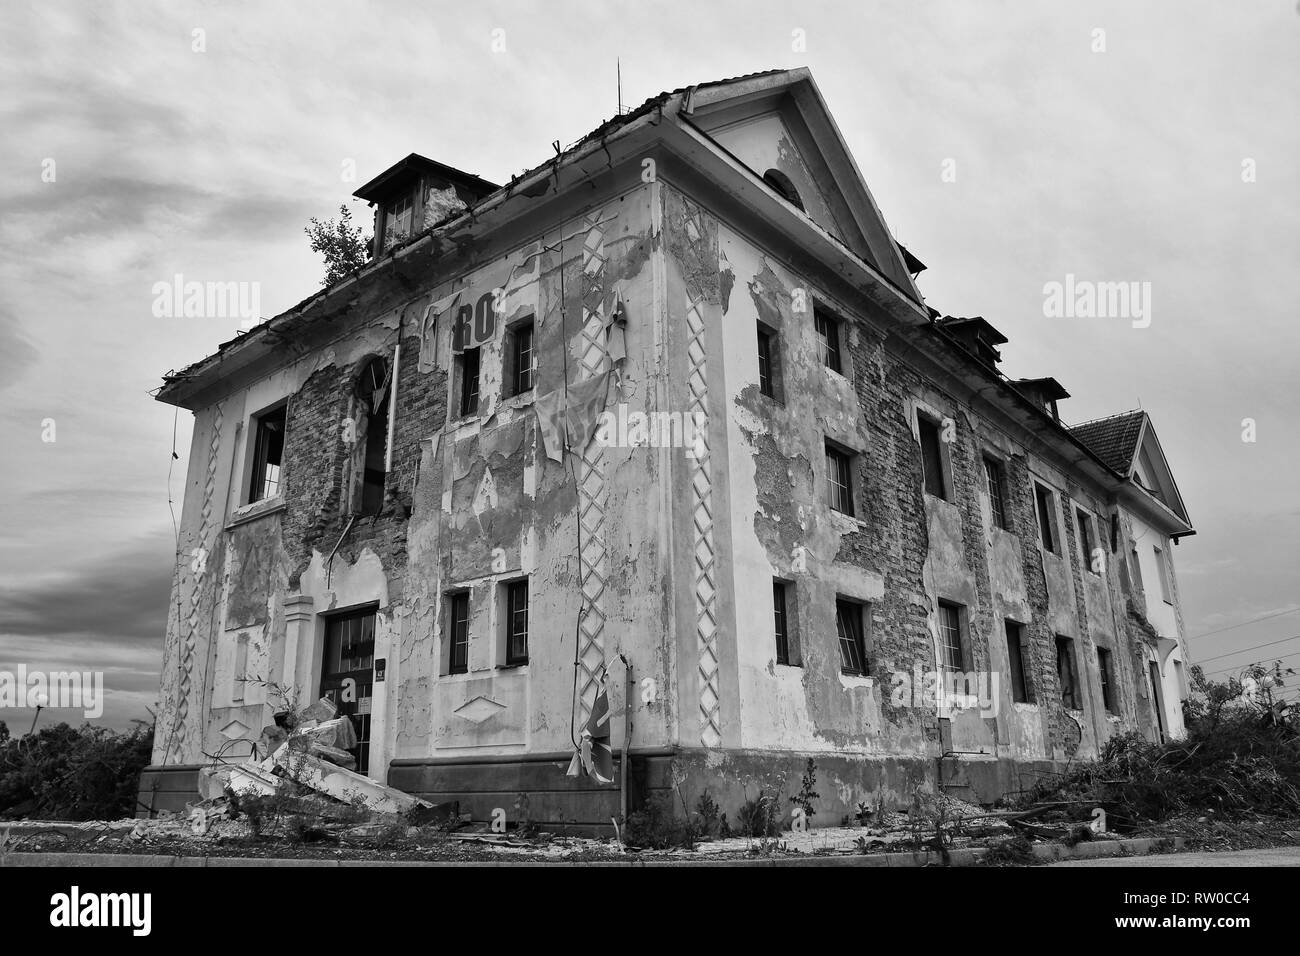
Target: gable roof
(1113, 439)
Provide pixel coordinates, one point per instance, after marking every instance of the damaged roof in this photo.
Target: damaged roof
(1113, 439)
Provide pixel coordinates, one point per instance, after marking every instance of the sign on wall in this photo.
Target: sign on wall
(475, 325)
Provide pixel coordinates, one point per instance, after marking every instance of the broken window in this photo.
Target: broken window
(828, 338)
(932, 457)
(1085, 538)
(951, 654)
(521, 358)
(517, 622)
(1018, 663)
(1067, 674)
(1107, 680)
(1162, 569)
(849, 626)
(372, 433)
(397, 221)
(839, 482)
(995, 476)
(780, 182)
(468, 361)
(769, 363)
(268, 454)
(782, 622)
(1046, 517)
(458, 633)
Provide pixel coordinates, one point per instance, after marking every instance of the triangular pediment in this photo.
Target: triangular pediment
(778, 126)
(1150, 469)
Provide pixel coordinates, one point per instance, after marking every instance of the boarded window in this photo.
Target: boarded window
(1162, 569)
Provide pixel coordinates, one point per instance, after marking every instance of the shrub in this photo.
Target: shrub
(62, 773)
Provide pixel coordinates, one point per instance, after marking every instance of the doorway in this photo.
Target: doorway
(348, 673)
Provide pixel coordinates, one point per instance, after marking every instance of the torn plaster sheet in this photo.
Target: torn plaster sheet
(429, 325)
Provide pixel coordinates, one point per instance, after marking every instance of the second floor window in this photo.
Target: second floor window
(828, 339)
(517, 622)
(521, 359)
(950, 644)
(781, 622)
(997, 483)
(849, 629)
(767, 370)
(469, 369)
(268, 454)
(932, 457)
(839, 481)
(1085, 539)
(1046, 506)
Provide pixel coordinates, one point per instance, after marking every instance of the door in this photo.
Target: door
(348, 673)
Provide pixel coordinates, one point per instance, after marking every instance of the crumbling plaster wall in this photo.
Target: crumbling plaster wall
(902, 551)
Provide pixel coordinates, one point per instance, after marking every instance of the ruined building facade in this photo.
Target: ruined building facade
(808, 493)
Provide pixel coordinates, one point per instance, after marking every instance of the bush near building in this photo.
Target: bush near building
(67, 773)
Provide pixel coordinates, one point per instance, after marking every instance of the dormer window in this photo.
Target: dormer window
(397, 221)
(780, 182)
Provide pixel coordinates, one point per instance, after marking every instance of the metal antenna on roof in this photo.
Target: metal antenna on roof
(618, 66)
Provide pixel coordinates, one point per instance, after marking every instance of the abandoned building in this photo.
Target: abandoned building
(665, 415)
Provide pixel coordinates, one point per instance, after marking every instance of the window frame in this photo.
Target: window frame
(950, 620)
(770, 379)
(995, 482)
(839, 477)
(1048, 530)
(1076, 696)
(1018, 663)
(1162, 572)
(928, 425)
(1087, 529)
(852, 612)
(781, 622)
(829, 342)
(513, 589)
(1106, 674)
(390, 213)
(453, 622)
(522, 379)
(257, 480)
(470, 396)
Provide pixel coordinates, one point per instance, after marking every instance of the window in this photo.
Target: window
(1018, 663)
(828, 336)
(372, 416)
(781, 621)
(1085, 538)
(268, 454)
(517, 622)
(1046, 517)
(950, 644)
(853, 648)
(839, 481)
(458, 633)
(1067, 674)
(521, 359)
(769, 363)
(469, 366)
(996, 478)
(1107, 680)
(1162, 569)
(397, 226)
(932, 457)
(1135, 569)
(780, 182)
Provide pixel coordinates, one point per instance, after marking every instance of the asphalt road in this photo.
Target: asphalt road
(1273, 856)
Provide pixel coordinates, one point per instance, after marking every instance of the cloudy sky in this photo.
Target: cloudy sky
(1122, 164)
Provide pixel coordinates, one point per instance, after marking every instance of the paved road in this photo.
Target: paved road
(1274, 856)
